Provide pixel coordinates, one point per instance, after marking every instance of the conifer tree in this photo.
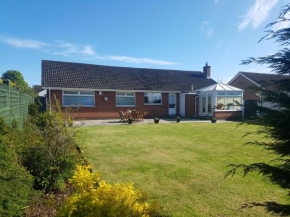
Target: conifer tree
(274, 119)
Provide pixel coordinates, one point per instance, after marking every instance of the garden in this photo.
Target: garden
(52, 168)
(183, 165)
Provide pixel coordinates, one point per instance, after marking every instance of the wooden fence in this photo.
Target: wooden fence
(14, 104)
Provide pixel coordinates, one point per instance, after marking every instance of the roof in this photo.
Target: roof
(220, 87)
(37, 88)
(260, 78)
(57, 74)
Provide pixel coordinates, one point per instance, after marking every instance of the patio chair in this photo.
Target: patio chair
(141, 115)
(134, 115)
(122, 116)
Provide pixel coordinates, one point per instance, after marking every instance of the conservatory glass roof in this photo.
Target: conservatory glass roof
(219, 87)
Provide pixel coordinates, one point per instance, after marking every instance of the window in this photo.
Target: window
(228, 102)
(153, 98)
(125, 99)
(203, 103)
(209, 110)
(75, 98)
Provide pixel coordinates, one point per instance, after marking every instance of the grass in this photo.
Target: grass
(183, 165)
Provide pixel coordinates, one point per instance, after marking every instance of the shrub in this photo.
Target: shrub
(97, 198)
(15, 182)
(4, 127)
(48, 150)
(178, 119)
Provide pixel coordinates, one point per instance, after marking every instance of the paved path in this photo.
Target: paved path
(146, 121)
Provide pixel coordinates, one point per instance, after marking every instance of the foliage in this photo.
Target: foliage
(178, 119)
(156, 120)
(17, 78)
(15, 181)
(48, 150)
(97, 198)
(33, 109)
(274, 118)
(4, 127)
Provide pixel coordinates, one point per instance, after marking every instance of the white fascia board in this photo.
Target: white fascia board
(110, 90)
(244, 77)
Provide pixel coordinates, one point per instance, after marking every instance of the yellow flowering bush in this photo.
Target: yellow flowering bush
(97, 198)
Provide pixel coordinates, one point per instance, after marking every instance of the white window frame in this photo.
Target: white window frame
(227, 94)
(152, 103)
(126, 96)
(78, 94)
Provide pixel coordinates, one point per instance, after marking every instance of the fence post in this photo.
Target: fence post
(10, 107)
(20, 109)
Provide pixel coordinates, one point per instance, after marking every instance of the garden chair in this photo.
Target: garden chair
(122, 116)
(134, 115)
(141, 115)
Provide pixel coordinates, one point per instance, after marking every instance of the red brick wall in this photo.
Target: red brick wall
(108, 109)
(228, 115)
(190, 106)
(246, 85)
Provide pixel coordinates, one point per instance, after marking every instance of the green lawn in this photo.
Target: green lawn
(183, 165)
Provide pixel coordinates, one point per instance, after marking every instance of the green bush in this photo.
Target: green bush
(15, 182)
(4, 127)
(48, 150)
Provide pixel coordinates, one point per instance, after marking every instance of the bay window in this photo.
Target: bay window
(78, 98)
(125, 99)
(153, 98)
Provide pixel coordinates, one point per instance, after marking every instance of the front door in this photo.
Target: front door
(172, 104)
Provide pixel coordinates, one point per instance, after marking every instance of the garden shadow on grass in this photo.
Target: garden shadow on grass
(270, 206)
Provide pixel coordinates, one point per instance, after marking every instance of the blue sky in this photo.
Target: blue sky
(167, 34)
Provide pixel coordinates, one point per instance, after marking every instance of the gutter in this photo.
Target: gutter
(112, 90)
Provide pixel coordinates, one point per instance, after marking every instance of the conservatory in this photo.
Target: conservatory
(221, 101)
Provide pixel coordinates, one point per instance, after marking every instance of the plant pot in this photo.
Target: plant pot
(130, 121)
(156, 121)
(213, 121)
(178, 119)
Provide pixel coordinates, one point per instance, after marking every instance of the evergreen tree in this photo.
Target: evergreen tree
(275, 120)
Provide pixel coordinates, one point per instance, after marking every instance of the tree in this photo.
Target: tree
(17, 78)
(275, 121)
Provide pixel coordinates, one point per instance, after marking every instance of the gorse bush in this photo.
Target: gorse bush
(15, 182)
(97, 198)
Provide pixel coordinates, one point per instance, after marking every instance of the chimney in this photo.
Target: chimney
(206, 71)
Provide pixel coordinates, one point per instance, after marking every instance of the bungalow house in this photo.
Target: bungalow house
(248, 81)
(102, 91)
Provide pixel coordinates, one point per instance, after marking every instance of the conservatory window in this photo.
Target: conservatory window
(229, 102)
(203, 103)
(209, 109)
